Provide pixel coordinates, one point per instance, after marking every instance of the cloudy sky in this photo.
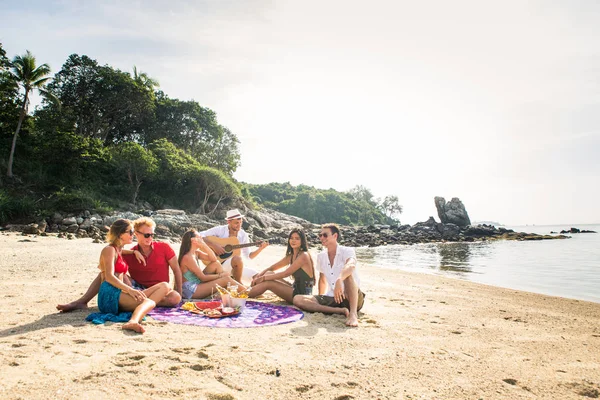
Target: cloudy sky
(497, 103)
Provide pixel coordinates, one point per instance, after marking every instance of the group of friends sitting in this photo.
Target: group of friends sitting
(137, 279)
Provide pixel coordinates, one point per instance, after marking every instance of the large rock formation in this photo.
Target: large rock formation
(452, 212)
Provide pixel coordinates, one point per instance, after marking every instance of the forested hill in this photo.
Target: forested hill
(106, 139)
(355, 207)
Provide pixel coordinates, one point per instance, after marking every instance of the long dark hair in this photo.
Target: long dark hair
(186, 244)
(303, 247)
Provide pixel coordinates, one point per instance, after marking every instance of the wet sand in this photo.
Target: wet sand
(419, 337)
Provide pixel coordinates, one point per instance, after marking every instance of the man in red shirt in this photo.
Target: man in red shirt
(149, 264)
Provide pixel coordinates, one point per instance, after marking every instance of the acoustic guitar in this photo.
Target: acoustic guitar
(231, 245)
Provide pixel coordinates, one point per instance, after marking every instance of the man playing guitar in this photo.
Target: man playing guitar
(235, 263)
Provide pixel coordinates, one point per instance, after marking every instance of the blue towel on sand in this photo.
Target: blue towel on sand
(100, 317)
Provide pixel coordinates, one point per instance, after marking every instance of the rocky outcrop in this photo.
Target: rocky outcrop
(265, 224)
(576, 230)
(452, 212)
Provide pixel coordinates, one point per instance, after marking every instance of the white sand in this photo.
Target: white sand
(420, 337)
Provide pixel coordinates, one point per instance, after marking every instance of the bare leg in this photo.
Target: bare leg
(351, 292)
(213, 268)
(140, 309)
(285, 291)
(172, 299)
(237, 268)
(309, 303)
(205, 289)
(81, 303)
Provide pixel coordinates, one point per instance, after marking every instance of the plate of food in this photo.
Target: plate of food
(221, 312)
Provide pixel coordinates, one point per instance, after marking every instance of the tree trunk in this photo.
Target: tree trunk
(138, 183)
(9, 172)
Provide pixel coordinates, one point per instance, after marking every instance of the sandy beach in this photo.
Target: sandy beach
(420, 337)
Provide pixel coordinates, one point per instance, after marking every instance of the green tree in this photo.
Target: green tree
(137, 163)
(9, 93)
(196, 130)
(361, 193)
(142, 79)
(99, 102)
(390, 206)
(212, 187)
(31, 77)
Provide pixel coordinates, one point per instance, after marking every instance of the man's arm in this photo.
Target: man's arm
(347, 270)
(322, 284)
(174, 264)
(260, 248)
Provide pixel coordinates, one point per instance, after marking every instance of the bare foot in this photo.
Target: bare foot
(134, 326)
(352, 320)
(71, 306)
(345, 311)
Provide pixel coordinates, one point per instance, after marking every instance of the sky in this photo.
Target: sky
(496, 103)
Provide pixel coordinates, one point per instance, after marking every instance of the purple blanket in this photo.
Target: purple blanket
(254, 315)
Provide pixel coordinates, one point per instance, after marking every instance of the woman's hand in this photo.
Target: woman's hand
(138, 295)
(140, 257)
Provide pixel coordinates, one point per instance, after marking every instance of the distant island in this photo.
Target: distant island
(488, 223)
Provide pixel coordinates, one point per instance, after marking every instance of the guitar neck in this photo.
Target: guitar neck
(240, 246)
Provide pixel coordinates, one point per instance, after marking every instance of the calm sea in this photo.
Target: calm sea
(567, 268)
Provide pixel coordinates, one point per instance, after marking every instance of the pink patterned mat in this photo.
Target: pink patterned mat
(255, 314)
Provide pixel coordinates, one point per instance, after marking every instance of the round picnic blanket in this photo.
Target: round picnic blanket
(255, 314)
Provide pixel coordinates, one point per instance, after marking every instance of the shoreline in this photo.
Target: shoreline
(420, 336)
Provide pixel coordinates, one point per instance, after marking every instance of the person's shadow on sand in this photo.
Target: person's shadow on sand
(73, 319)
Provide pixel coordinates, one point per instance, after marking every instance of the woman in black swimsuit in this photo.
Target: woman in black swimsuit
(300, 266)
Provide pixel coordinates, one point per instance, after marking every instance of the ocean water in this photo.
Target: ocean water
(566, 268)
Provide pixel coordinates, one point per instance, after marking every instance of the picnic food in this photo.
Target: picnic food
(188, 306)
(211, 312)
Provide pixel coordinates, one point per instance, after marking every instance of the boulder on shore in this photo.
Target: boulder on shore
(452, 212)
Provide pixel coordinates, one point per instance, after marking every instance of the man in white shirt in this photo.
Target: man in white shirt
(339, 291)
(234, 265)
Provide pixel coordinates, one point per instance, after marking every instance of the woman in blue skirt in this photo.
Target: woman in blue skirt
(114, 295)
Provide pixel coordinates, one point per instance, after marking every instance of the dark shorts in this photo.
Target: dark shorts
(136, 285)
(330, 301)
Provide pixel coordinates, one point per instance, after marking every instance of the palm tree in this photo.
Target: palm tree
(144, 80)
(29, 76)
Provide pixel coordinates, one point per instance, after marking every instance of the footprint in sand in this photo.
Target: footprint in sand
(129, 361)
(304, 388)
(219, 396)
(201, 367)
(80, 341)
(183, 350)
(202, 354)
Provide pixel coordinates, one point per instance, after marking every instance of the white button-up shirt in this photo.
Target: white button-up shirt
(332, 272)
(222, 231)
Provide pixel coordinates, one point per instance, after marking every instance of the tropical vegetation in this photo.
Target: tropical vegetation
(106, 139)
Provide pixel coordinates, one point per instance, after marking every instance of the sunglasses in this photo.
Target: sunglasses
(146, 235)
(130, 232)
(324, 235)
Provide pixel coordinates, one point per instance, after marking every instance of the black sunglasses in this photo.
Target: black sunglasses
(325, 235)
(146, 235)
(130, 232)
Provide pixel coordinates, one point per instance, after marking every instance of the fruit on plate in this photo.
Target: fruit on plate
(203, 305)
(228, 310)
(213, 313)
(188, 306)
